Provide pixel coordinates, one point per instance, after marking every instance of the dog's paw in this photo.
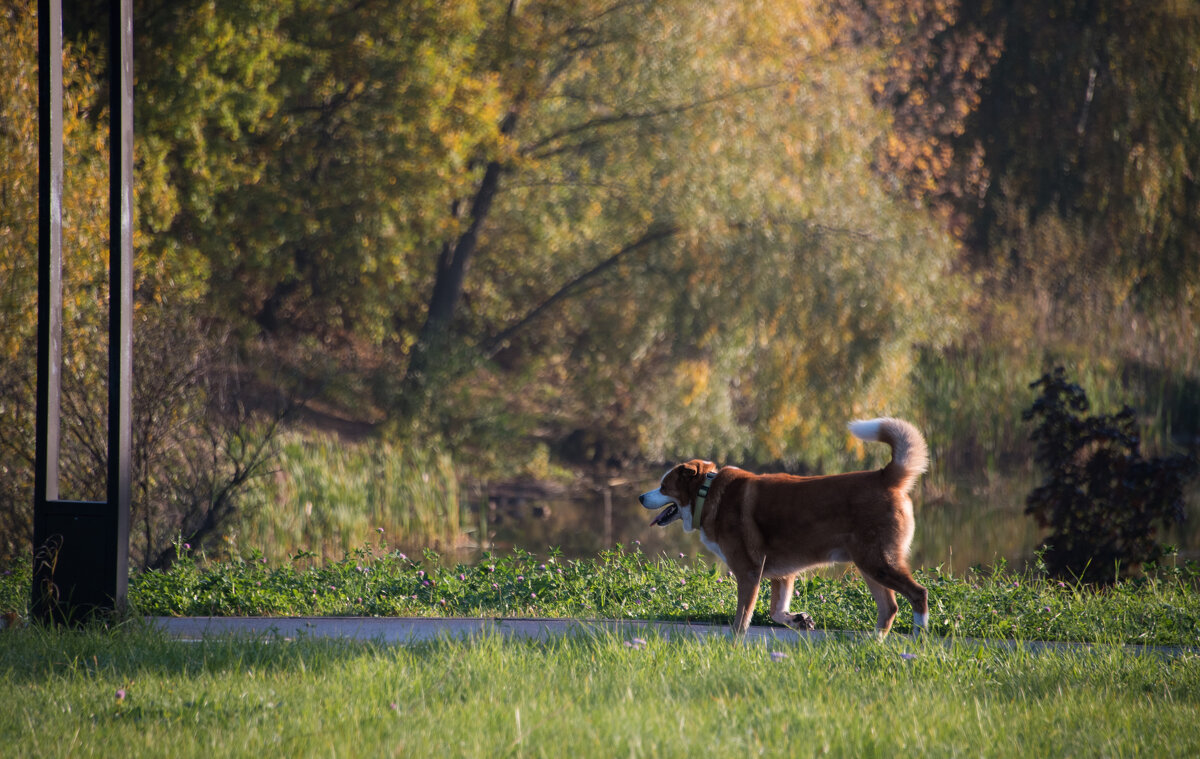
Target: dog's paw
(802, 621)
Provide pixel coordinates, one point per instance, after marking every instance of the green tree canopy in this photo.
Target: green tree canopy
(637, 195)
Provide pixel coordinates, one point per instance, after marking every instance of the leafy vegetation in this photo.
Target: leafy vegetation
(1103, 502)
(1032, 125)
(197, 437)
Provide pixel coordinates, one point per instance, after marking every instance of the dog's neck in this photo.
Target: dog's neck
(698, 509)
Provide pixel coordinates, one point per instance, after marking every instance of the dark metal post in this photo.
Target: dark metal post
(81, 549)
(120, 283)
(50, 176)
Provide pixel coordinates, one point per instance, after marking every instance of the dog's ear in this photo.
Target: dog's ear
(696, 468)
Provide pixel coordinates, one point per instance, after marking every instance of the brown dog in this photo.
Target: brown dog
(775, 525)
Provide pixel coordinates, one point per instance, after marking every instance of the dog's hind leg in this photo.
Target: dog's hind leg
(885, 604)
(898, 579)
(781, 599)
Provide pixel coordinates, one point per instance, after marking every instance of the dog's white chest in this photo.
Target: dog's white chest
(712, 546)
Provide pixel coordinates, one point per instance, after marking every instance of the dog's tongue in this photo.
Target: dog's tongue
(665, 516)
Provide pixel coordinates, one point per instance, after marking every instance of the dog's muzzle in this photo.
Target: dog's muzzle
(655, 499)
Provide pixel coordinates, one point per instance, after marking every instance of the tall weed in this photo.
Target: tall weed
(327, 493)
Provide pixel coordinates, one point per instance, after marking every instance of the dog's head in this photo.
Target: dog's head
(677, 493)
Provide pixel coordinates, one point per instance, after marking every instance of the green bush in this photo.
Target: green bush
(1102, 501)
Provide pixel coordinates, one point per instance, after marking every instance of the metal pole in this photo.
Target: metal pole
(120, 334)
(81, 549)
(46, 540)
(50, 183)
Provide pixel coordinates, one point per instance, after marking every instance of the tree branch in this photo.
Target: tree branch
(493, 345)
(674, 109)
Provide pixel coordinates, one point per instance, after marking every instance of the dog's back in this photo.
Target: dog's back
(840, 502)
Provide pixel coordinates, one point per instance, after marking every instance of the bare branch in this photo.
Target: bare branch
(673, 109)
(494, 344)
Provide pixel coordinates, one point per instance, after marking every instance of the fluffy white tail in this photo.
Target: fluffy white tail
(910, 455)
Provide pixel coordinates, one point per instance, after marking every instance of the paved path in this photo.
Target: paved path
(419, 629)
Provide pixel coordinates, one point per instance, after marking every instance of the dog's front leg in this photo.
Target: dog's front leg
(747, 591)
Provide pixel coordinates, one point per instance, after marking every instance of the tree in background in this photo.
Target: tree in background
(85, 259)
(1070, 124)
(18, 282)
(459, 199)
(1059, 142)
(686, 191)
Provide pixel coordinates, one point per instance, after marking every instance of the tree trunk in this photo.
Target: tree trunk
(433, 339)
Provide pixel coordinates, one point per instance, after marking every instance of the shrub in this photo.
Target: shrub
(1102, 501)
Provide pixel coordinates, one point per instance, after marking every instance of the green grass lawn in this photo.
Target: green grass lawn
(129, 690)
(132, 692)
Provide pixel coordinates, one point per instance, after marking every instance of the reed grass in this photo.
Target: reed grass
(327, 492)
